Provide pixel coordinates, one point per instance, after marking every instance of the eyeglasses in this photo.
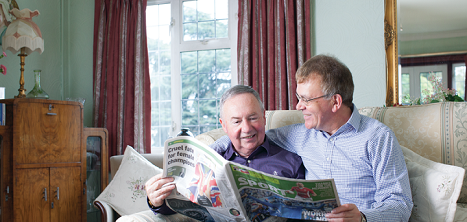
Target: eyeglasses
(307, 101)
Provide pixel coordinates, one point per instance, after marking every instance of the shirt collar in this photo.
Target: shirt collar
(354, 120)
(230, 153)
(353, 123)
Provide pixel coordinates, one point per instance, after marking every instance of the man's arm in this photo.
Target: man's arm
(393, 197)
(279, 136)
(221, 144)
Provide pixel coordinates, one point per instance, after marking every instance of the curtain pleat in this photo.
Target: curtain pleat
(274, 40)
(122, 102)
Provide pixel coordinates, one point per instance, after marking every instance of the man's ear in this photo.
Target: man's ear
(336, 102)
(223, 125)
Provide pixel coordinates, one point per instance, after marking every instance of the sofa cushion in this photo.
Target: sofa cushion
(435, 187)
(126, 193)
(149, 216)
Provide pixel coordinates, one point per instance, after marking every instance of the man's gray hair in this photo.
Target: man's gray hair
(237, 90)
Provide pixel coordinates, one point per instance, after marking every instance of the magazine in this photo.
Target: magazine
(210, 188)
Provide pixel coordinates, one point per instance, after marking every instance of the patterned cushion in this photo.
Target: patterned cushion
(149, 216)
(435, 187)
(126, 193)
(436, 131)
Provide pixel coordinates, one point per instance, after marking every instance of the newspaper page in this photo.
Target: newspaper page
(264, 195)
(203, 188)
(210, 188)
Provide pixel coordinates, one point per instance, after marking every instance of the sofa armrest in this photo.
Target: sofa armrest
(107, 213)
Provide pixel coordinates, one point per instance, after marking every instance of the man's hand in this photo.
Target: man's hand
(156, 193)
(346, 212)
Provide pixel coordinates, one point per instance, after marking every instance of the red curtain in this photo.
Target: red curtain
(122, 98)
(274, 39)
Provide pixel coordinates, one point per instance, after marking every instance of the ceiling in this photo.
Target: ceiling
(422, 19)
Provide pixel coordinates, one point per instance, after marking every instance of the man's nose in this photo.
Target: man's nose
(300, 105)
(246, 126)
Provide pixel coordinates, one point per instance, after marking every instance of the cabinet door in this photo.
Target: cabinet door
(66, 194)
(31, 195)
(47, 132)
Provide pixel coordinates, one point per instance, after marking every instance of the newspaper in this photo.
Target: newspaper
(210, 188)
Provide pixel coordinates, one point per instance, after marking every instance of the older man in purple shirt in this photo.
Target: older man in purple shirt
(242, 118)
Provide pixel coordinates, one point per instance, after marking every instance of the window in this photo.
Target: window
(426, 86)
(405, 88)
(459, 79)
(192, 55)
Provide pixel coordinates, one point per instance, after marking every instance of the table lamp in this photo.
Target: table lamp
(24, 36)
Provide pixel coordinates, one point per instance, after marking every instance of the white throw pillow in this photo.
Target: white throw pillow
(435, 187)
(126, 193)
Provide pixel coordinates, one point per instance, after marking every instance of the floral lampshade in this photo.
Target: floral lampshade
(23, 32)
(24, 36)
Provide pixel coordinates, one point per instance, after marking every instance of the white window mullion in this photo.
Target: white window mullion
(176, 81)
(233, 32)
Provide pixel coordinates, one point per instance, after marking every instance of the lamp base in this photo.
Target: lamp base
(21, 89)
(21, 93)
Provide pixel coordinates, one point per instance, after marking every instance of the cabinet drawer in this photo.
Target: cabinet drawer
(47, 132)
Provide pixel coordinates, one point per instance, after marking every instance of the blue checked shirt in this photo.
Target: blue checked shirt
(363, 157)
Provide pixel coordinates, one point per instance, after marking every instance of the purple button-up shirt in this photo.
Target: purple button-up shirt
(268, 158)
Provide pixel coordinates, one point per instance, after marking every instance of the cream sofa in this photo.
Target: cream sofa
(437, 132)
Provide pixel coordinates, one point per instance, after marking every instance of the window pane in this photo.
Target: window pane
(164, 62)
(190, 31)
(405, 87)
(213, 79)
(165, 113)
(426, 86)
(459, 75)
(157, 21)
(223, 83)
(206, 61)
(222, 29)
(189, 11)
(207, 86)
(165, 86)
(222, 9)
(206, 30)
(189, 62)
(223, 60)
(190, 112)
(205, 19)
(189, 86)
(208, 112)
(205, 10)
(164, 15)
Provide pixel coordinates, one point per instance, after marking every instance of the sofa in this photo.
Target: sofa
(434, 141)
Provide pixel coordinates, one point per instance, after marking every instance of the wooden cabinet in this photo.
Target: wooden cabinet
(43, 161)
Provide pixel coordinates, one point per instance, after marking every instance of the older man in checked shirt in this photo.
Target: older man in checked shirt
(360, 153)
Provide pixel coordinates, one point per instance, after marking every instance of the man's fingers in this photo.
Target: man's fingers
(158, 196)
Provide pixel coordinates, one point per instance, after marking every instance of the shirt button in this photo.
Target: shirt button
(327, 159)
(332, 139)
(249, 161)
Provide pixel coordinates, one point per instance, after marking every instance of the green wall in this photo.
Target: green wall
(351, 30)
(66, 63)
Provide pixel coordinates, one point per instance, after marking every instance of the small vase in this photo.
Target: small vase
(37, 92)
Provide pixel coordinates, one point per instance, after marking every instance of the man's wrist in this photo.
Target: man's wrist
(363, 217)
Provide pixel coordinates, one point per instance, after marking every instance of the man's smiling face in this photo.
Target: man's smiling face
(244, 122)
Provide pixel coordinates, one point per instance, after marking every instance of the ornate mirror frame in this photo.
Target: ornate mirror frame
(392, 62)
